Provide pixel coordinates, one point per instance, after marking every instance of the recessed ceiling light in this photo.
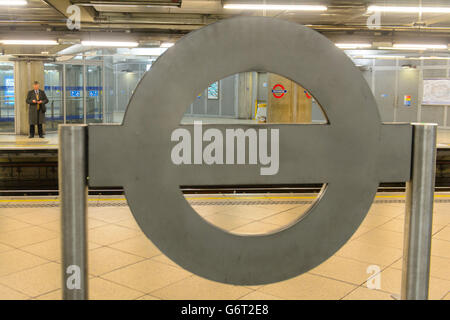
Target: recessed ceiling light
(110, 43)
(416, 46)
(166, 44)
(396, 9)
(353, 45)
(13, 3)
(293, 7)
(29, 42)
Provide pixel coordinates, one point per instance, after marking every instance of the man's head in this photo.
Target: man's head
(36, 85)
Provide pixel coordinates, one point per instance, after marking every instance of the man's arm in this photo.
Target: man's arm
(29, 98)
(44, 96)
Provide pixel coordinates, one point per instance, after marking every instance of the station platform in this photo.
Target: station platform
(22, 142)
(124, 264)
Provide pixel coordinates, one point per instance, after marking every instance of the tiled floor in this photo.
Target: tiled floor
(124, 264)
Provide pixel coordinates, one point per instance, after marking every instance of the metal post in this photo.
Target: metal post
(419, 214)
(73, 196)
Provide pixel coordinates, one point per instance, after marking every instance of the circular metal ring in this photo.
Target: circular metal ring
(348, 147)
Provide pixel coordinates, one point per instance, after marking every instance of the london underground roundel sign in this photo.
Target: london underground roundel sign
(151, 155)
(278, 91)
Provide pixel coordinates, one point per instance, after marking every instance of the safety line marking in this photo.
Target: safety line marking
(206, 198)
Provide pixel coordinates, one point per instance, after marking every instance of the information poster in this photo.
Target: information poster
(436, 92)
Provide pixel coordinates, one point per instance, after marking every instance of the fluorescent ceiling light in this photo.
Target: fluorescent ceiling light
(411, 46)
(13, 3)
(434, 58)
(109, 44)
(30, 42)
(167, 44)
(408, 9)
(279, 7)
(379, 56)
(353, 45)
(142, 51)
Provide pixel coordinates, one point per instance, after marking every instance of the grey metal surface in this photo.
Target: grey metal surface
(351, 155)
(419, 214)
(73, 197)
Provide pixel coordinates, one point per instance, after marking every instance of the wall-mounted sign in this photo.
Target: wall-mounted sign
(307, 94)
(75, 93)
(9, 90)
(436, 92)
(93, 93)
(407, 101)
(278, 91)
(213, 91)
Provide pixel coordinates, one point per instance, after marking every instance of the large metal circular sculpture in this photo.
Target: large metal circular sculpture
(351, 154)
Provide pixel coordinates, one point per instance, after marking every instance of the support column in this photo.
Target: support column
(245, 95)
(25, 73)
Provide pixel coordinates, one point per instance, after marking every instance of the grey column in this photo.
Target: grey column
(25, 73)
(73, 196)
(419, 214)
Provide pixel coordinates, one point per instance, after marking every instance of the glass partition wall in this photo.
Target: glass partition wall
(75, 92)
(7, 97)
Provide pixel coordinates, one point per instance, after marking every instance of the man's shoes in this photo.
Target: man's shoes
(41, 136)
(30, 136)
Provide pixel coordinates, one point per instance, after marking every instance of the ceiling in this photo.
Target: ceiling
(162, 20)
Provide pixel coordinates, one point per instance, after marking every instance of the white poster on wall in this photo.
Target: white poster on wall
(436, 92)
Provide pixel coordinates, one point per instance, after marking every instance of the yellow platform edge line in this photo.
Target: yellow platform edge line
(207, 198)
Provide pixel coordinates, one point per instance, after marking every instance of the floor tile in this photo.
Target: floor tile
(108, 234)
(109, 214)
(391, 282)
(4, 247)
(443, 234)
(39, 216)
(207, 210)
(284, 218)
(147, 297)
(140, 246)
(147, 276)
(257, 295)
(383, 238)
(227, 222)
(370, 253)
(440, 248)
(26, 236)
(10, 294)
(35, 281)
(49, 249)
(198, 288)
(256, 227)
(104, 259)
(248, 212)
(52, 295)
(386, 210)
(18, 261)
(162, 258)
(344, 269)
(309, 287)
(8, 224)
(129, 223)
(368, 294)
(374, 220)
(101, 289)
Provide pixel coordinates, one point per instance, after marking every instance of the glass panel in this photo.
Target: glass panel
(94, 92)
(74, 94)
(6, 97)
(53, 75)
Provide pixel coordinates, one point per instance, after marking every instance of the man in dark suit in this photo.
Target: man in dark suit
(36, 99)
